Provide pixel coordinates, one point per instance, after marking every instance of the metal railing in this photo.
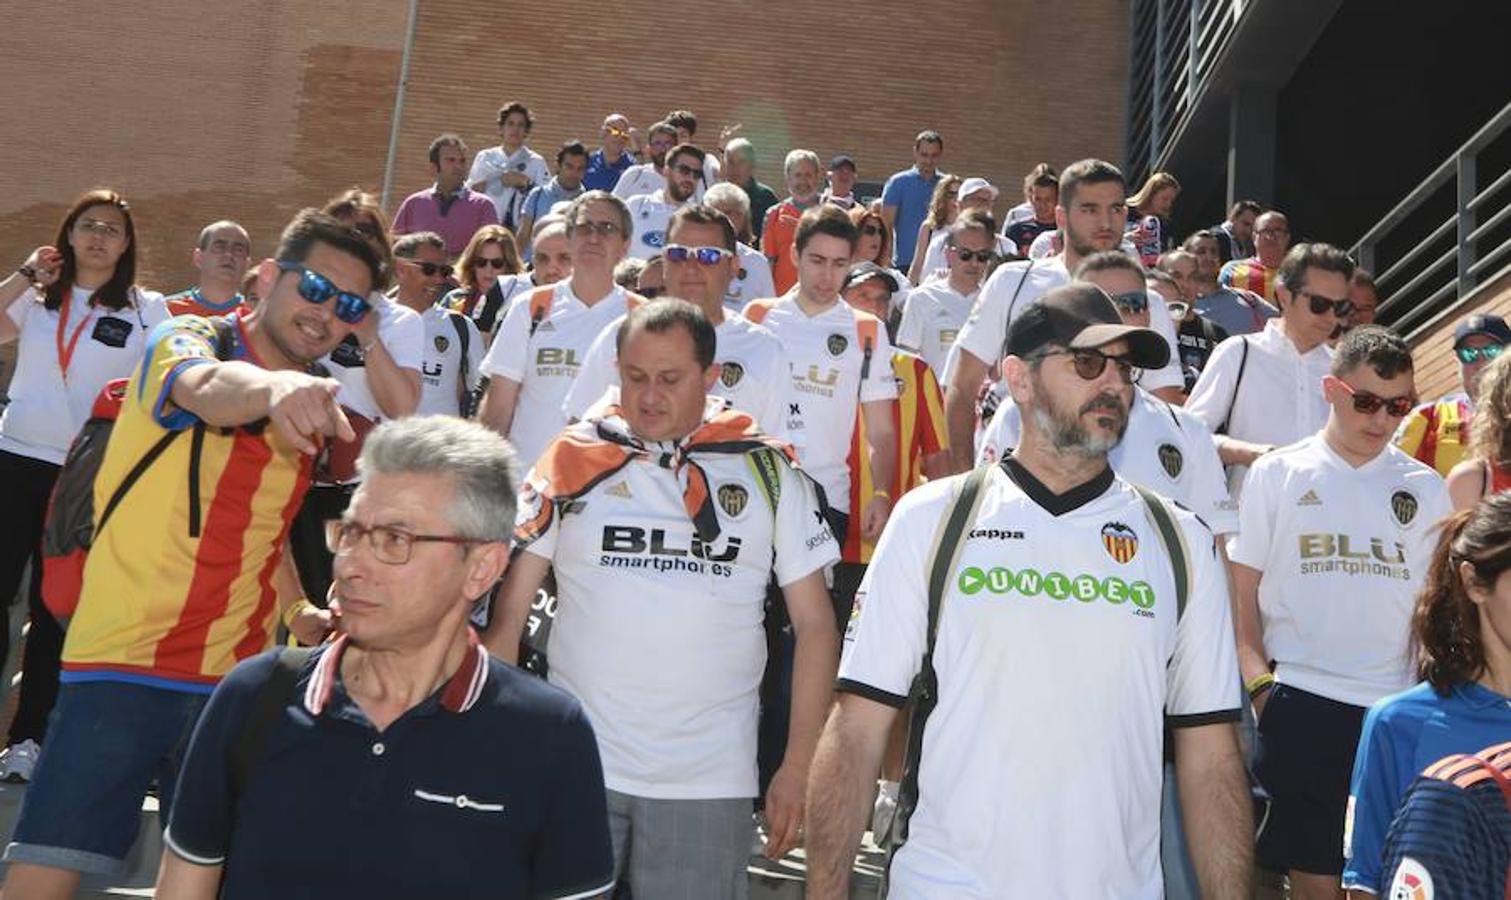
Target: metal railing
(1174, 49)
(1449, 237)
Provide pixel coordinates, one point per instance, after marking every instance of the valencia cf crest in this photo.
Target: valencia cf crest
(730, 373)
(733, 498)
(1120, 540)
(441, 343)
(1404, 505)
(1171, 460)
(837, 344)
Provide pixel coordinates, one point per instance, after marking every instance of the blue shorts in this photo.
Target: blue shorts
(106, 741)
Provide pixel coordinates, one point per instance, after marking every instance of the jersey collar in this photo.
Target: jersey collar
(459, 694)
(1052, 503)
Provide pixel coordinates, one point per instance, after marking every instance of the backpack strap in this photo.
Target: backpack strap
(1175, 546)
(252, 740)
(464, 338)
(1243, 362)
(866, 328)
(764, 462)
(540, 301)
(1013, 302)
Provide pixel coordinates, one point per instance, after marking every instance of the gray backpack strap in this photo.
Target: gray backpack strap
(1175, 546)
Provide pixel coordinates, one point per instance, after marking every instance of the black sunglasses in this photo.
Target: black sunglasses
(1090, 364)
(1320, 305)
(316, 288)
(1369, 404)
(490, 262)
(431, 269)
(1471, 355)
(985, 256)
(1133, 301)
(872, 229)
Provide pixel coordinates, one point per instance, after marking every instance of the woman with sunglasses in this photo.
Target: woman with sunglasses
(79, 321)
(875, 246)
(1486, 469)
(491, 254)
(943, 207)
(1461, 633)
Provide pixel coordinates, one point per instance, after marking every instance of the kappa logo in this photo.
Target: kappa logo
(1171, 460)
(731, 373)
(1404, 505)
(1309, 498)
(733, 498)
(441, 343)
(837, 344)
(1120, 540)
(620, 489)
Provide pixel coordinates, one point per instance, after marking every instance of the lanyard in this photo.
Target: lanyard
(65, 352)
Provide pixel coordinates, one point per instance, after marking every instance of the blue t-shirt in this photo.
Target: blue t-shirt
(910, 192)
(1403, 735)
(539, 202)
(602, 175)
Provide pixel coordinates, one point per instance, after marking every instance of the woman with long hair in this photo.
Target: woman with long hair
(1486, 468)
(1149, 217)
(492, 252)
(943, 207)
(875, 246)
(79, 321)
(1461, 637)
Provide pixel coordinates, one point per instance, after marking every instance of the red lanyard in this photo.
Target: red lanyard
(65, 352)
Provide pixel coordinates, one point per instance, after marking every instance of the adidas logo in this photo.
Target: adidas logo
(622, 489)
(1309, 498)
(546, 326)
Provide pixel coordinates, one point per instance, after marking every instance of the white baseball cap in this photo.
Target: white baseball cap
(972, 185)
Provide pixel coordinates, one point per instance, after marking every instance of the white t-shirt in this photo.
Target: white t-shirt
(47, 410)
(936, 265)
(932, 319)
(638, 179)
(1343, 552)
(659, 636)
(441, 370)
(651, 214)
(1165, 449)
(489, 167)
(1279, 401)
(403, 335)
(754, 378)
(545, 364)
(824, 355)
(752, 282)
(1058, 666)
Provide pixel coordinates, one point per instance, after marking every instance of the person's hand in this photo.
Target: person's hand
(1260, 702)
(1251, 453)
(874, 520)
(367, 330)
(636, 142)
(311, 625)
(784, 810)
(303, 408)
(47, 262)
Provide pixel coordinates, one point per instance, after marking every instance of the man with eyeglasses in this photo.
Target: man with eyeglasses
(544, 337)
(1438, 433)
(651, 212)
(801, 169)
(450, 371)
(697, 266)
(404, 722)
(449, 207)
(935, 312)
(1334, 539)
(1056, 595)
(649, 176)
(664, 519)
(1256, 274)
(1237, 311)
(179, 585)
(1261, 391)
(221, 256)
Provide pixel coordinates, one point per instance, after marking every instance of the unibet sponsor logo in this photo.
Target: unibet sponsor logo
(1030, 582)
(1323, 554)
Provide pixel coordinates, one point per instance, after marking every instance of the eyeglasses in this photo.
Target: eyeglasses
(1369, 404)
(602, 229)
(392, 546)
(873, 229)
(1471, 355)
(1090, 364)
(1133, 301)
(316, 288)
(687, 171)
(429, 268)
(1320, 305)
(707, 256)
(105, 229)
(973, 255)
(490, 262)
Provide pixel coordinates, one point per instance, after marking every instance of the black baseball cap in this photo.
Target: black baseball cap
(864, 270)
(1488, 324)
(842, 160)
(1081, 316)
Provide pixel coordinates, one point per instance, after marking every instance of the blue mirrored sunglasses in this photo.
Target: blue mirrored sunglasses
(316, 288)
(707, 256)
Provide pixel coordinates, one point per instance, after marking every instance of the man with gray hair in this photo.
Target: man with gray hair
(739, 170)
(492, 777)
(777, 235)
(752, 278)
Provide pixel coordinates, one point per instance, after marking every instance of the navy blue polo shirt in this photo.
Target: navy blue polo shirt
(490, 787)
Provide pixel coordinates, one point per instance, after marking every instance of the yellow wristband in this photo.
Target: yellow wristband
(1258, 683)
(295, 610)
(883, 494)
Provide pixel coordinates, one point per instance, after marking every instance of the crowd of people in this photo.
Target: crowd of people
(586, 522)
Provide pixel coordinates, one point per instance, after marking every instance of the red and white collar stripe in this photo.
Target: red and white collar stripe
(460, 692)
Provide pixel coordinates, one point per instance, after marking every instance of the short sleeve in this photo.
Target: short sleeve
(1211, 397)
(403, 334)
(538, 171)
(769, 248)
(888, 628)
(479, 171)
(21, 308)
(1203, 672)
(802, 539)
(910, 332)
(1413, 430)
(532, 202)
(1209, 483)
(173, 346)
(1251, 545)
(1374, 795)
(880, 383)
(758, 281)
(573, 853)
(153, 308)
(510, 351)
(401, 224)
(1160, 321)
(598, 373)
(891, 193)
(1225, 274)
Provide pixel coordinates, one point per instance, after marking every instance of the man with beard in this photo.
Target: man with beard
(1042, 590)
(652, 212)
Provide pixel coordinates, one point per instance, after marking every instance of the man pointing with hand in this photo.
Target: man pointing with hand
(208, 460)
